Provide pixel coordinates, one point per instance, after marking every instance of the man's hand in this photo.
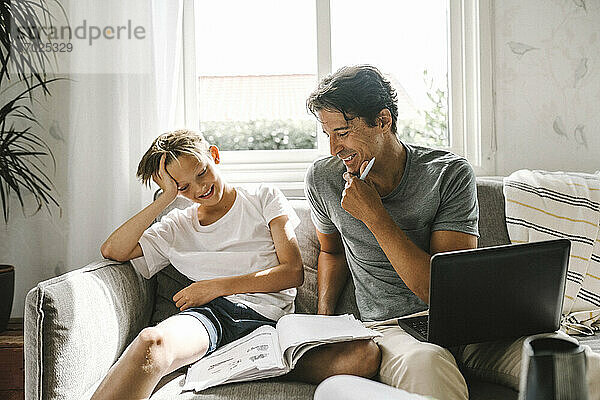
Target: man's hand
(197, 294)
(164, 180)
(360, 198)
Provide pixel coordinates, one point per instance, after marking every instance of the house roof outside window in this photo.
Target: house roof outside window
(270, 97)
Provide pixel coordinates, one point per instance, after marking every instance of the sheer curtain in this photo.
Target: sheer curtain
(121, 97)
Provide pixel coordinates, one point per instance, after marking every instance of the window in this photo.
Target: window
(256, 67)
(249, 72)
(408, 42)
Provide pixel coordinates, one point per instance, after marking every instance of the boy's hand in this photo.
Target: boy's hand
(196, 295)
(164, 180)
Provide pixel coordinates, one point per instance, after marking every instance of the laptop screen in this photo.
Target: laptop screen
(497, 292)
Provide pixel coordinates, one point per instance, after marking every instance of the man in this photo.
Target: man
(415, 202)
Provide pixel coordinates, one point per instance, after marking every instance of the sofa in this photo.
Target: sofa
(78, 324)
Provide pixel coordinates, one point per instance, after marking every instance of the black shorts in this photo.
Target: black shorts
(226, 321)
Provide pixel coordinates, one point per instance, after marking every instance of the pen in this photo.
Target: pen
(366, 171)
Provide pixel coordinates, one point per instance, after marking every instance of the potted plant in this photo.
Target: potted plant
(23, 73)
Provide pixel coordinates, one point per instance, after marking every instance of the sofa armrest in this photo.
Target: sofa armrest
(78, 324)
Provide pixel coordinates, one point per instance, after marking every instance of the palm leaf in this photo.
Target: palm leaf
(21, 173)
(16, 16)
(21, 153)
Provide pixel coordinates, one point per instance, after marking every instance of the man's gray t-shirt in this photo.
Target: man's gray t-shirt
(437, 192)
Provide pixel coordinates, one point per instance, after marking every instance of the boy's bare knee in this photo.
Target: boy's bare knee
(152, 351)
(368, 357)
(373, 359)
(360, 358)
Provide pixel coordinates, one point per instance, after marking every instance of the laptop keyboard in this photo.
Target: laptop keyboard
(419, 324)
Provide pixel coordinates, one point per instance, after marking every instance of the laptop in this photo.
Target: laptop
(493, 293)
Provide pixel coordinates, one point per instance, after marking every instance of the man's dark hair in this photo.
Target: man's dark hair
(356, 91)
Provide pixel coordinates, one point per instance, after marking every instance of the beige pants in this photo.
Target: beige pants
(428, 369)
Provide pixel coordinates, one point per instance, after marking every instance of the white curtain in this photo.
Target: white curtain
(122, 96)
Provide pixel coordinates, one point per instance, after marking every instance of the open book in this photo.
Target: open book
(269, 352)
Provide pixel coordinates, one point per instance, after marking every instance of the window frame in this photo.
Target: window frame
(470, 102)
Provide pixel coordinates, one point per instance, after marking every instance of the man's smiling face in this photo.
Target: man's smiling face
(352, 141)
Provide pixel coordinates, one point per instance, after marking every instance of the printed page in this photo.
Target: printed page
(300, 332)
(256, 354)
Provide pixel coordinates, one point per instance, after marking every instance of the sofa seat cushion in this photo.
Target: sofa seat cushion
(268, 389)
(276, 389)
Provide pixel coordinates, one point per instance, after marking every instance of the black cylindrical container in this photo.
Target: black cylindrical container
(553, 367)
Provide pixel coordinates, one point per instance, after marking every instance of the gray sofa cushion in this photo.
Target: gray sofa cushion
(492, 224)
(306, 300)
(168, 282)
(269, 389)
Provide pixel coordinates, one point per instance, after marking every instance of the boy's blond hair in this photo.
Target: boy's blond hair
(174, 144)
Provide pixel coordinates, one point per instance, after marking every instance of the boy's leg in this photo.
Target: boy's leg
(406, 363)
(418, 367)
(155, 352)
(358, 357)
(500, 362)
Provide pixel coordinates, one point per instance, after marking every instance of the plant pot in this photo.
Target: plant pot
(7, 291)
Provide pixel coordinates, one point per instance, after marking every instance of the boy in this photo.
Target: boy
(237, 244)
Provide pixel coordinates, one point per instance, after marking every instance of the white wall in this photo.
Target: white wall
(547, 83)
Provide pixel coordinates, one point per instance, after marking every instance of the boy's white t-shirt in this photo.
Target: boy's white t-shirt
(238, 243)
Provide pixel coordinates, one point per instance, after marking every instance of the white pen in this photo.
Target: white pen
(368, 169)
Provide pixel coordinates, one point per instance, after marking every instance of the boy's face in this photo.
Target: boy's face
(196, 180)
